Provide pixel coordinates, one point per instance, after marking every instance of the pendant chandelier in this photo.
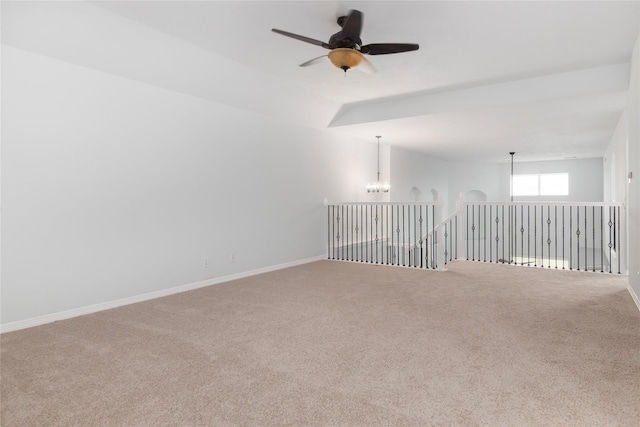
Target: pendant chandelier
(377, 187)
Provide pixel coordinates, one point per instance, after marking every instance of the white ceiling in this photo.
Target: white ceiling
(546, 79)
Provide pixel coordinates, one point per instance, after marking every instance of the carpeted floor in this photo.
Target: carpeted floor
(333, 343)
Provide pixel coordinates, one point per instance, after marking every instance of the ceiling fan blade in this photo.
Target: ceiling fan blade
(387, 48)
(352, 27)
(301, 38)
(366, 66)
(312, 61)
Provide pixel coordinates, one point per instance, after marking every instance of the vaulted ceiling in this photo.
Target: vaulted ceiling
(546, 79)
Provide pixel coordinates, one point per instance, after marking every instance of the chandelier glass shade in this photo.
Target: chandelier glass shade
(378, 186)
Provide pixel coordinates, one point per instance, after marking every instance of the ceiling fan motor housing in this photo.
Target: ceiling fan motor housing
(338, 40)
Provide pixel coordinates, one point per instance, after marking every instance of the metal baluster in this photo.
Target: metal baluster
(610, 231)
(398, 234)
(521, 235)
(390, 225)
(570, 237)
(503, 257)
(434, 249)
(618, 247)
(351, 228)
(542, 241)
(473, 232)
(354, 235)
(467, 231)
(549, 240)
(484, 226)
(382, 229)
(338, 232)
(371, 235)
(404, 258)
(392, 239)
(329, 232)
(357, 230)
(510, 227)
(386, 232)
(362, 229)
(333, 230)
(490, 233)
(593, 237)
(426, 243)
(497, 234)
(421, 238)
(365, 234)
(578, 235)
(535, 235)
(447, 239)
(411, 250)
(345, 233)
(514, 234)
(555, 224)
(377, 219)
(456, 252)
(411, 222)
(353, 232)
(586, 252)
(528, 235)
(341, 232)
(346, 236)
(445, 234)
(555, 219)
(601, 239)
(408, 247)
(479, 240)
(359, 233)
(415, 235)
(564, 259)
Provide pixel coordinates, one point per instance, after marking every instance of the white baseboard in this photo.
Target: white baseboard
(634, 296)
(80, 311)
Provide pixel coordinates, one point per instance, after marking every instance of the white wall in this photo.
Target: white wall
(615, 163)
(416, 177)
(113, 188)
(585, 179)
(486, 178)
(633, 165)
(412, 170)
(623, 156)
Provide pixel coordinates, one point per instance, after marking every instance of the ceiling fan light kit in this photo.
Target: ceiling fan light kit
(345, 59)
(346, 46)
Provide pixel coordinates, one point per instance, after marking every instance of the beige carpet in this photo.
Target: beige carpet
(333, 343)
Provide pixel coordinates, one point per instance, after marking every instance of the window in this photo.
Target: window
(548, 184)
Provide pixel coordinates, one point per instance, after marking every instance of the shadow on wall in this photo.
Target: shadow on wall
(416, 195)
(475, 196)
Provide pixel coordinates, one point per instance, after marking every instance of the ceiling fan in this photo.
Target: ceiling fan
(346, 49)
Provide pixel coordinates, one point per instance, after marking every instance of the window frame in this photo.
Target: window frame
(539, 178)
